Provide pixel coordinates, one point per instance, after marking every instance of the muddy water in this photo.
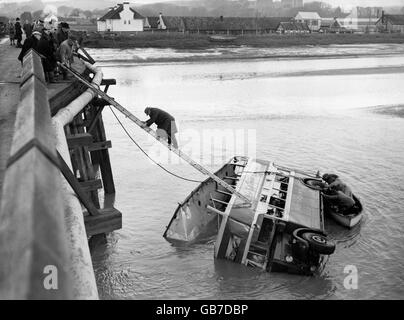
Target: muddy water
(312, 113)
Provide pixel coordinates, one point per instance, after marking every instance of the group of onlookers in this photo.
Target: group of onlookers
(15, 32)
(51, 42)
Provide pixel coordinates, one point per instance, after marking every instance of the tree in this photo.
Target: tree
(64, 11)
(75, 12)
(88, 14)
(36, 15)
(338, 12)
(26, 16)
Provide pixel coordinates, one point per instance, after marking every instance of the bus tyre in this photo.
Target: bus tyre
(319, 243)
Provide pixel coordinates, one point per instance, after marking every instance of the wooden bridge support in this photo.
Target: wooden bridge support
(91, 164)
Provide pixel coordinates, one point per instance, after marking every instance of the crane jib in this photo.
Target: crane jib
(140, 123)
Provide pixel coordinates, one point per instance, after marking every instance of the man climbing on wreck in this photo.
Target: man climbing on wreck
(165, 122)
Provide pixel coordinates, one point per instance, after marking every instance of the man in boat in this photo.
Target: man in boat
(165, 122)
(338, 193)
(334, 182)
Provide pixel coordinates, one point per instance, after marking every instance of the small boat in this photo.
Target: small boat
(348, 218)
(222, 38)
(281, 230)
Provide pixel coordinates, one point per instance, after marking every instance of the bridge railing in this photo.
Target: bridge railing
(34, 258)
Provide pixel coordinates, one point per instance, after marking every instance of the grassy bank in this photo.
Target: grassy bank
(195, 41)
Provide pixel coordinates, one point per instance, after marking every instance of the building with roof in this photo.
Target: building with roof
(231, 25)
(331, 25)
(293, 27)
(390, 23)
(271, 24)
(312, 19)
(121, 18)
(362, 19)
(155, 23)
(174, 24)
(211, 25)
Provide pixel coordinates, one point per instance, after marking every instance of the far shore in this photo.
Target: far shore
(202, 41)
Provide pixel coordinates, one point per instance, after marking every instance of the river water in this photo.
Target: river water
(331, 108)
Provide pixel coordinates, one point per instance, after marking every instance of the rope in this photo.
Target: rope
(133, 140)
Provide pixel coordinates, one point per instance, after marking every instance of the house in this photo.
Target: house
(121, 18)
(293, 27)
(174, 24)
(270, 25)
(362, 19)
(212, 25)
(390, 23)
(155, 23)
(331, 25)
(312, 19)
(232, 25)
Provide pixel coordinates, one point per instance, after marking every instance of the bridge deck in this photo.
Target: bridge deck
(10, 69)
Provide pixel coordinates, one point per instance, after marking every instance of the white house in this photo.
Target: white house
(312, 19)
(121, 18)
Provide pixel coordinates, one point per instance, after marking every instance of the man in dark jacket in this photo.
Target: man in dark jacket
(334, 182)
(47, 49)
(30, 43)
(27, 29)
(62, 32)
(164, 122)
(18, 32)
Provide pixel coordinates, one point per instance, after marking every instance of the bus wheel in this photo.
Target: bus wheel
(319, 243)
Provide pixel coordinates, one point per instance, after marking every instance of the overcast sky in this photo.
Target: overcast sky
(342, 3)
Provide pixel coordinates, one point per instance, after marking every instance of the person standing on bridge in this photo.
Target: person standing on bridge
(30, 43)
(18, 32)
(47, 49)
(165, 122)
(11, 32)
(62, 33)
(27, 29)
(65, 54)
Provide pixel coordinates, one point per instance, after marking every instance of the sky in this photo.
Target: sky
(334, 3)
